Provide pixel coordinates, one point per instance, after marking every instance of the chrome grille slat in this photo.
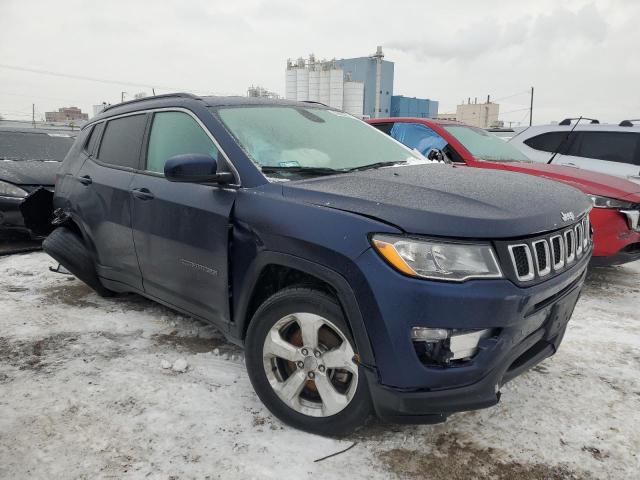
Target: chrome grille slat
(543, 267)
(570, 245)
(557, 246)
(524, 274)
(578, 234)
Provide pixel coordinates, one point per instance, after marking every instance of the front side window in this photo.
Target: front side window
(121, 141)
(621, 147)
(484, 145)
(300, 137)
(176, 133)
(418, 137)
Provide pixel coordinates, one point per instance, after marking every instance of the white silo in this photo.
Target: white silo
(314, 84)
(324, 87)
(291, 88)
(336, 88)
(353, 98)
(302, 84)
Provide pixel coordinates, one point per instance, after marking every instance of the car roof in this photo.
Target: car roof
(587, 127)
(184, 99)
(415, 119)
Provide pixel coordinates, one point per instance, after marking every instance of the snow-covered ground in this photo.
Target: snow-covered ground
(124, 388)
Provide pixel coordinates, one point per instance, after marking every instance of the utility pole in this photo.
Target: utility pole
(531, 109)
(33, 115)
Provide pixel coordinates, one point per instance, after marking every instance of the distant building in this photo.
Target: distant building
(481, 115)
(97, 109)
(260, 92)
(402, 106)
(376, 74)
(361, 86)
(446, 116)
(65, 115)
(324, 82)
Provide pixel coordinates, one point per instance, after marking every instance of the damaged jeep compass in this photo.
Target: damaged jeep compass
(360, 277)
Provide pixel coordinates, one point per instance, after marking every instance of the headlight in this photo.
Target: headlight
(606, 202)
(10, 190)
(436, 260)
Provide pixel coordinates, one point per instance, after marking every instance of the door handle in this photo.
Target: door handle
(85, 180)
(142, 193)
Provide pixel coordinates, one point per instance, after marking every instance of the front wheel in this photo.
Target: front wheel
(301, 361)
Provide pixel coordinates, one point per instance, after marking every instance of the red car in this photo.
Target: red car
(616, 213)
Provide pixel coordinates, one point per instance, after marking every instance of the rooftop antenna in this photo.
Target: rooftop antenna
(564, 140)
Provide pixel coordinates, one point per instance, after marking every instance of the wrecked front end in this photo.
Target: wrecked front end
(32, 214)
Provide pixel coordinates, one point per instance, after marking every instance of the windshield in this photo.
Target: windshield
(20, 145)
(484, 145)
(312, 139)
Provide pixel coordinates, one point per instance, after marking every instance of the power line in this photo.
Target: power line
(41, 96)
(99, 80)
(517, 110)
(511, 96)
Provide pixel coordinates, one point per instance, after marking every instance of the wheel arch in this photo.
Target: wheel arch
(309, 273)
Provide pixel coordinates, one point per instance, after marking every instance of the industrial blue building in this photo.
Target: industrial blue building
(402, 106)
(370, 71)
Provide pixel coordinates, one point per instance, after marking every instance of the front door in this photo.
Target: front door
(181, 230)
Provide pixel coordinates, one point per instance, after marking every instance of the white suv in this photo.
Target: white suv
(606, 148)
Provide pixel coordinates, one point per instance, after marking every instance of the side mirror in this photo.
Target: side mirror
(195, 168)
(435, 154)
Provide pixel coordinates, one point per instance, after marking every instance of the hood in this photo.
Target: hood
(29, 172)
(439, 200)
(585, 180)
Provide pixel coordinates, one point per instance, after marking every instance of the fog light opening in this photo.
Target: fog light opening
(444, 347)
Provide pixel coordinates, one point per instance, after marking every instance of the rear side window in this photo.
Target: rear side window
(621, 147)
(121, 141)
(176, 133)
(550, 142)
(94, 136)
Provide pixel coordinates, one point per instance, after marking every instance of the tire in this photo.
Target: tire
(68, 249)
(348, 402)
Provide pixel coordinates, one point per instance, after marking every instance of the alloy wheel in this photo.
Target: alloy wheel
(309, 363)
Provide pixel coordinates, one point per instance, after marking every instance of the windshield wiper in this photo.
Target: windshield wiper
(376, 165)
(303, 170)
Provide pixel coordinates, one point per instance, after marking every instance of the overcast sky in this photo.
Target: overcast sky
(581, 56)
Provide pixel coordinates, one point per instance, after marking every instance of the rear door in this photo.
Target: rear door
(181, 230)
(102, 198)
(613, 152)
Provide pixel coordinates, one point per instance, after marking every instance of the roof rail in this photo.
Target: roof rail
(628, 123)
(567, 121)
(316, 103)
(164, 95)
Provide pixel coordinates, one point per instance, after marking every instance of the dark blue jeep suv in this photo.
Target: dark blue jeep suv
(359, 276)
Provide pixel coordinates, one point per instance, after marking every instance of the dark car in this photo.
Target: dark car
(412, 292)
(29, 160)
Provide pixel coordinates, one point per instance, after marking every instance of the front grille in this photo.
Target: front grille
(542, 256)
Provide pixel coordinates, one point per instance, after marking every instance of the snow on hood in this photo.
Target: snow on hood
(443, 201)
